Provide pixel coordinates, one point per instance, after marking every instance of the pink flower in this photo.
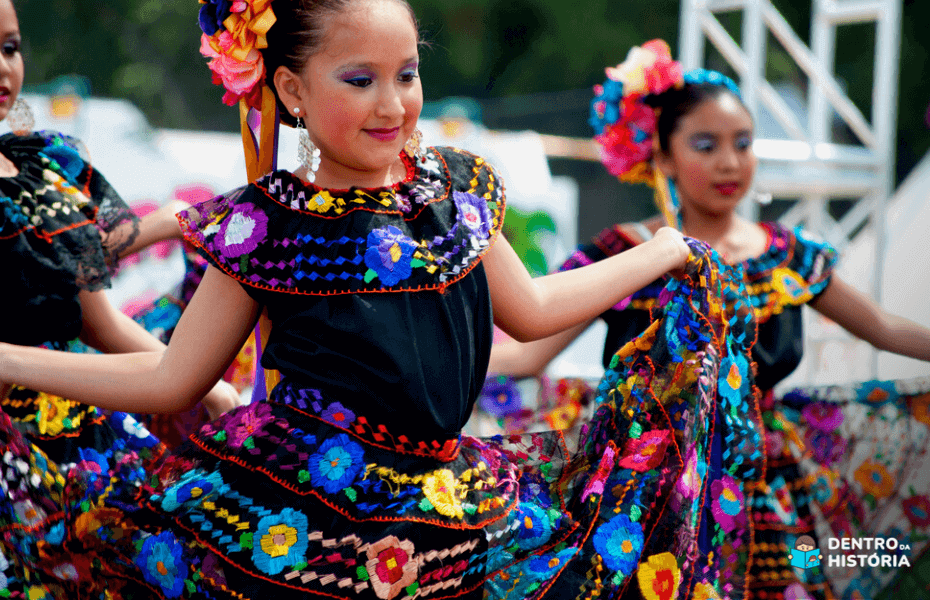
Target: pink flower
(647, 451)
(664, 73)
(239, 77)
(823, 416)
(629, 141)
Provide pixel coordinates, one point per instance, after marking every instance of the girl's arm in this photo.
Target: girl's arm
(211, 331)
(530, 359)
(111, 331)
(530, 309)
(859, 315)
(158, 225)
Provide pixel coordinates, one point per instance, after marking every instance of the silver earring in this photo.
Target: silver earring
(308, 155)
(20, 118)
(413, 147)
(762, 197)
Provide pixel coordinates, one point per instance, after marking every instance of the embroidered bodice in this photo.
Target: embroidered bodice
(376, 295)
(794, 269)
(62, 227)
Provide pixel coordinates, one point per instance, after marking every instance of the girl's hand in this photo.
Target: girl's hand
(674, 246)
(221, 399)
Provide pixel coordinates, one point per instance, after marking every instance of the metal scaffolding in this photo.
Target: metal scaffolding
(807, 163)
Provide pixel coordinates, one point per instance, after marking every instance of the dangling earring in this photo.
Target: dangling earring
(20, 117)
(308, 155)
(413, 147)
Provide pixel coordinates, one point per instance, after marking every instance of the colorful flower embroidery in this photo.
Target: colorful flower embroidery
(535, 527)
(336, 463)
(162, 563)
(789, 284)
(878, 392)
(242, 232)
(280, 541)
(874, 479)
(920, 408)
(733, 373)
(796, 591)
(727, 503)
(827, 447)
(246, 422)
(473, 212)
(823, 415)
(338, 415)
(67, 159)
(619, 541)
(321, 202)
(689, 484)
(500, 396)
(439, 488)
(391, 566)
(194, 485)
(13, 214)
(659, 577)
(27, 513)
(389, 255)
(647, 451)
(705, 591)
(52, 413)
(917, 510)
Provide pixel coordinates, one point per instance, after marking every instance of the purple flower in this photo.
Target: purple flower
(827, 447)
(727, 504)
(212, 15)
(246, 422)
(338, 415)
(242, 231)
(500, 397)
(389, 254)
(473, 212)
(823, 416)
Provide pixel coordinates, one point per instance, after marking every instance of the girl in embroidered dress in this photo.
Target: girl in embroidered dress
(377, 269)
(694, 129)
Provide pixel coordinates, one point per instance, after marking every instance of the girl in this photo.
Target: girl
(694, 130)
(377, 268)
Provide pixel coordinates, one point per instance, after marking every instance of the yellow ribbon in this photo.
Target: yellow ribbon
(250, 27)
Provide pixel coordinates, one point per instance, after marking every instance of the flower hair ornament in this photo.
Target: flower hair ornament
(233, 33)
(625, 126)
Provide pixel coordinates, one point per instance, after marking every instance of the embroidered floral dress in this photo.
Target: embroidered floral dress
(61, 229)
(845, 461)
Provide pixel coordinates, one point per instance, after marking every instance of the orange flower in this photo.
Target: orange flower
(875, 479)
(920, 408)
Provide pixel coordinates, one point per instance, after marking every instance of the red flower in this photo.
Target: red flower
(647, 451)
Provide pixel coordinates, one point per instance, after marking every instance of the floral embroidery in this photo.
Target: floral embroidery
(878, 392)
(280, 541)
(874, 479)
(659, 577)
(500, 396)
(162, 563)
(619, 541)
(246, 422)
(389, 255)
(242, 232)
(647, 451)
(194, 485)
(439, 488)
(66, 159)
(733, 372)
(823, 415)
(28, 513)
(13, 213)
(336, 464)
(535, 528)
(52, 415)
(473, 212)
(920, 408)
(917, 510)
(727, 503)
(789, 283)
(705, 591)
(338, 415)
(391, 566)
(827, 447)
(321, 202)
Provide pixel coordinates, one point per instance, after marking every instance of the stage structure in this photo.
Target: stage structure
(806, 163)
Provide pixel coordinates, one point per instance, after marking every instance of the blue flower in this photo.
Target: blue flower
(68, 160)
(280, 541)
(212, 14)
(194, 485)
(605, 108)
(699, 76)
(389, 254)
(619, 541)
(535, 528)
(162, 563)
(473, 212)
(89, 455)
(336, 463)
(545, 566)
(500, 396)
(877, 393)
(734, 371)
(13, 214)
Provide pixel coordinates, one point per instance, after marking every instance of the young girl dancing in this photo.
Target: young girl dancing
(693, 130)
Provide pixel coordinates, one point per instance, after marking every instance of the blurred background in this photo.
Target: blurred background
(510, 79)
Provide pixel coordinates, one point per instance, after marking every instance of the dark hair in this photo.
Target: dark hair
(806, 540)
(297, 34)
(675, 103)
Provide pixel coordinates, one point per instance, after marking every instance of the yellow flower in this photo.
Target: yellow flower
(705, 591)
(249, 27)
(321, 202)
(53, 410)
(788, 283)
(875, 479)
(659, 577)
(439, 489)
(278, 541)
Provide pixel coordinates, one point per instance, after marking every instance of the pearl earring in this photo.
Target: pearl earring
(308, 155)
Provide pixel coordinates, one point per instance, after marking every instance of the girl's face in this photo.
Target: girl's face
(710, 156)
(360, 94)
(11, 60)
